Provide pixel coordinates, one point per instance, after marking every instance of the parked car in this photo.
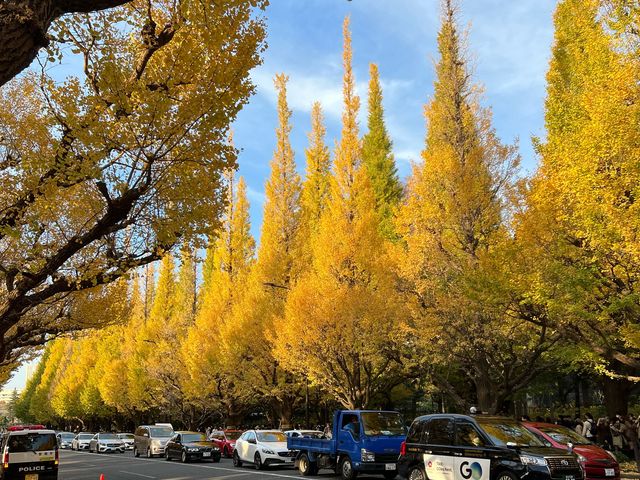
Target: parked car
(150, 440)
(65, 439)
(480, 448)
(596, 462)
(127, 438)
(263, 448)
(81, 441)
(225, 440)
(188, 446)
(105, 443)
(304, 433)
(29, 452)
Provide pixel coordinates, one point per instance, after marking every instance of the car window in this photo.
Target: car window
(468, 436)
(108, 436)
(160, 432)
(85, 436)
(32, 442)
(233, 435)
(440, 431)
(415, 434)
(194, 437)
(251, 436)
(503, 432)
(564, 435)
(271, 437)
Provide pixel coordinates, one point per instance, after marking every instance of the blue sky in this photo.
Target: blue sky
(509, 42)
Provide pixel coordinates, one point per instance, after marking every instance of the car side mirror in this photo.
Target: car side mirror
(252, 440)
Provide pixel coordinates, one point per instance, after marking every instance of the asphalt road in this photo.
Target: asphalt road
(116, 466)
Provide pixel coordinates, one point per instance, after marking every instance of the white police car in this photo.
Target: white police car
(29, 452)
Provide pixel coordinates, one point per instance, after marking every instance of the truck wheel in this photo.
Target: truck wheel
(306, 466)
(236, 460)
(346, 469)
(417, 473)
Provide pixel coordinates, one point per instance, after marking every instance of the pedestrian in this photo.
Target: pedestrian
(603, 433)
(327, 431)
(578, 425)
(588, 427)
(616, 428)
(630, 433)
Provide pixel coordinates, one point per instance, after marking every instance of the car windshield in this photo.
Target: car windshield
(382, 423)
(85, 436)
(564, 435)
(67, 436)
(232, 435)
(161, 431)
(505, 432)
(32, 442)
(108, 436)
(193, 437)
(128, 436)
(271, 437)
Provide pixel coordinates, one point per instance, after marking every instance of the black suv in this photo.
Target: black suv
(459, 447)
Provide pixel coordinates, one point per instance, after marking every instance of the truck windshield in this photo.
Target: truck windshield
(382, 423)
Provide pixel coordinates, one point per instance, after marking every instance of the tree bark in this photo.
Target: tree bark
(24, 25)
(616, 395)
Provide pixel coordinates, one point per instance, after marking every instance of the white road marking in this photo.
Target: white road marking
(137, 474)
(195, 465)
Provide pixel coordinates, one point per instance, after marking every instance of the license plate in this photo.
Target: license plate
(206, 454)
(569, 477)
(609, 472)
(392, 466)
(31, 476)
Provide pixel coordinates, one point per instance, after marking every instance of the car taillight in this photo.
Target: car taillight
(403, 449)
(57, 457)
(5, 460)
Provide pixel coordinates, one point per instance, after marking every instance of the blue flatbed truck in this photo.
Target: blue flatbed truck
(362, 441)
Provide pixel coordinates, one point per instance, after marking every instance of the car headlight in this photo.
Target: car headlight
(267, 451)
(530, 460)
(581, 458)
(367, 456)
(193, 449)
(215, 449)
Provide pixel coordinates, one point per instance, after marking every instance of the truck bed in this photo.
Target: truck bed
(315, 445)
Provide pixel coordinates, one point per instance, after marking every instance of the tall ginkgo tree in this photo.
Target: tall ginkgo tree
(342, 319)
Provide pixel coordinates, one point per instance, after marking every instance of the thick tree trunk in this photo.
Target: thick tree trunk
(24, 25)
(616, 395)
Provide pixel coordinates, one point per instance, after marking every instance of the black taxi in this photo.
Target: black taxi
(461, 447)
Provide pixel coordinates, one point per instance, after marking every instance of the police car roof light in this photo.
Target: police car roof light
(17, 428)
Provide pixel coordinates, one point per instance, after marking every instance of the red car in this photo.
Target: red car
(225, 440)
(597, 463)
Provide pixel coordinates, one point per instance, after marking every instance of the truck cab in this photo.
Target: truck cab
(365, 441)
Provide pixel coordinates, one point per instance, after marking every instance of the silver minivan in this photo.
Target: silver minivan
(150, 440)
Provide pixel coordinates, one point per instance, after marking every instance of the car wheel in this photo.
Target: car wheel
(149, 455)
(257, 461)
(506, 475)
(167, 457)
(184, 457)
(346, 469)
(417, 473)
(136, 453)
(236, 460)
(306, 466)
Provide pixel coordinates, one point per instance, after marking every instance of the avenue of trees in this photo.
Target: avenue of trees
(469, 280)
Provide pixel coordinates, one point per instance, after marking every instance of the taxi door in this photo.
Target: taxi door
(439, 453)
(472, 453)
